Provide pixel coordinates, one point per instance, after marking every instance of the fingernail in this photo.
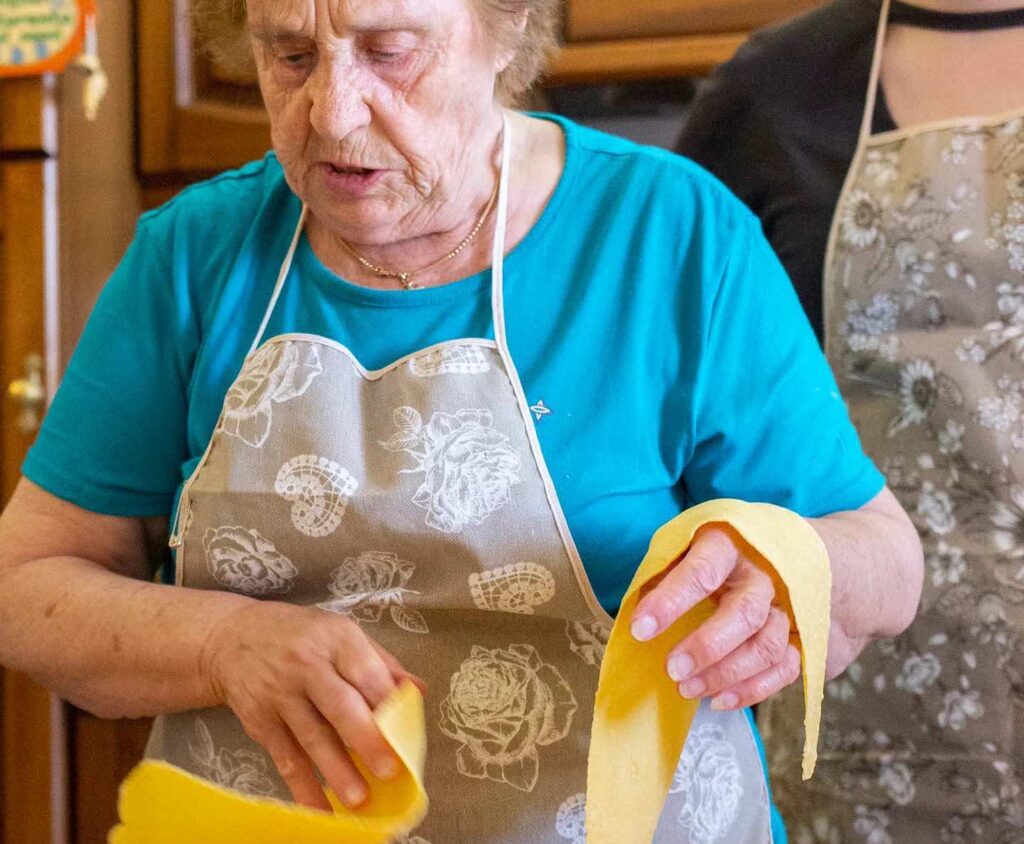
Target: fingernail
(386, 768)
(692, 689)
(644, 627)
(680, 667)
(726, 701)
(354, 795)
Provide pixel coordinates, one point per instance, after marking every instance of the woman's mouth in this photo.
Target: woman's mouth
(350, 181)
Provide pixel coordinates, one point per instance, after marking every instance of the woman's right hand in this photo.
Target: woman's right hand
(304, 683)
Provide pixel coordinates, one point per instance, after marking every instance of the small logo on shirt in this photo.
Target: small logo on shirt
(540, 410)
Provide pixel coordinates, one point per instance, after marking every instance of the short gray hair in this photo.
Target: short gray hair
(221, 28)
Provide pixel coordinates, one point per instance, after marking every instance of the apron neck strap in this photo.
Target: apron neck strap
(876, 73)
(498, 246)
(282, 274)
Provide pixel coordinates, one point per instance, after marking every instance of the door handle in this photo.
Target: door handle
(29, 394)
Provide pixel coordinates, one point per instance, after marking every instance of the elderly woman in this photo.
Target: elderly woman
(418, 387)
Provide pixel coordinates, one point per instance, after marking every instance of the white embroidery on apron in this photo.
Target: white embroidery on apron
(504, 704)
(517, 588)
(708, 776)
(243, 770)
(375, 581)
(319, 490)
(588, 641)
(469, 467)
(460, 360)
(243, 561)
(570, 822)
(273, 375)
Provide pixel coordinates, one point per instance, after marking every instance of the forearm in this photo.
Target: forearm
(110, 644)
(877, 572)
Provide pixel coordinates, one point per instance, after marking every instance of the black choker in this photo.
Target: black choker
(909, 15)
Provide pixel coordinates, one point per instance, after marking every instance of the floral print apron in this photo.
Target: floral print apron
(923, 738)
(415, 500)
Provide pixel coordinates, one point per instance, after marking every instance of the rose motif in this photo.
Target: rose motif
(709, 776)
(276, 373)
(243, 560)
(502, 705)
(469, 467)
(365, 586)
(242, 770)
(587, 641)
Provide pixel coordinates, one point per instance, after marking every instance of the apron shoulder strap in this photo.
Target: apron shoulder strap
(282, 274)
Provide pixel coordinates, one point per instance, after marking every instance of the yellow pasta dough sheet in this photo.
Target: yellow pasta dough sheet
(640, 720)
(161, 804)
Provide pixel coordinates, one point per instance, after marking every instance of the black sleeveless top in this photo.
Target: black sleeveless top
(779, 123)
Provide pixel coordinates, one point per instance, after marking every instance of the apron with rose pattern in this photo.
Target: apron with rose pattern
(415, 500)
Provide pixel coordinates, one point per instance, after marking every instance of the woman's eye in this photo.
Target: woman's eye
(297, 61)
(386, 56)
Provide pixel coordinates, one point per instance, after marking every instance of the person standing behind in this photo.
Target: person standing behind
(882, 146)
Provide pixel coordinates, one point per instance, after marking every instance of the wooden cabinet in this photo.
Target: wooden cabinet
(590, 20)
(198, 117)
(193, 117)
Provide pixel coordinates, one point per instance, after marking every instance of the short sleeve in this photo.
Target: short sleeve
(114, 438)
(770, 424)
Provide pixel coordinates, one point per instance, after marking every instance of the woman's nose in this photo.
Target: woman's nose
(339, 100)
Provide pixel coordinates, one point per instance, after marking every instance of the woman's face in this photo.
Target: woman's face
(377, 107)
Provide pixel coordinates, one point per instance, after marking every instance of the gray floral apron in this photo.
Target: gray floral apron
(923, 738)
(415, 500)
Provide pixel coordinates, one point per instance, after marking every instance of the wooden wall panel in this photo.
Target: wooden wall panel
(32, 750)
(104, 752)
(606, 19)
(25, 126)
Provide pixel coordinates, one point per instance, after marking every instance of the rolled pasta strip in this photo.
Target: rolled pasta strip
(640, 720)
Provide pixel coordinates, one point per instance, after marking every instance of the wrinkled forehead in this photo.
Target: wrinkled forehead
(311, 17)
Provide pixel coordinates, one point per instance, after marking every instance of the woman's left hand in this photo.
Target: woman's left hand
(743, 653)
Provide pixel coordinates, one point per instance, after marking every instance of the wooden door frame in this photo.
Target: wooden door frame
(33, 764)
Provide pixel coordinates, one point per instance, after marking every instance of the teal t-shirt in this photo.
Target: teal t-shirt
(644, 309)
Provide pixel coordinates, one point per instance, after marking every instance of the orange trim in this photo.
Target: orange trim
(58, 61)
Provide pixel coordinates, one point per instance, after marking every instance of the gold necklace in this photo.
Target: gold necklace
(405, 277)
